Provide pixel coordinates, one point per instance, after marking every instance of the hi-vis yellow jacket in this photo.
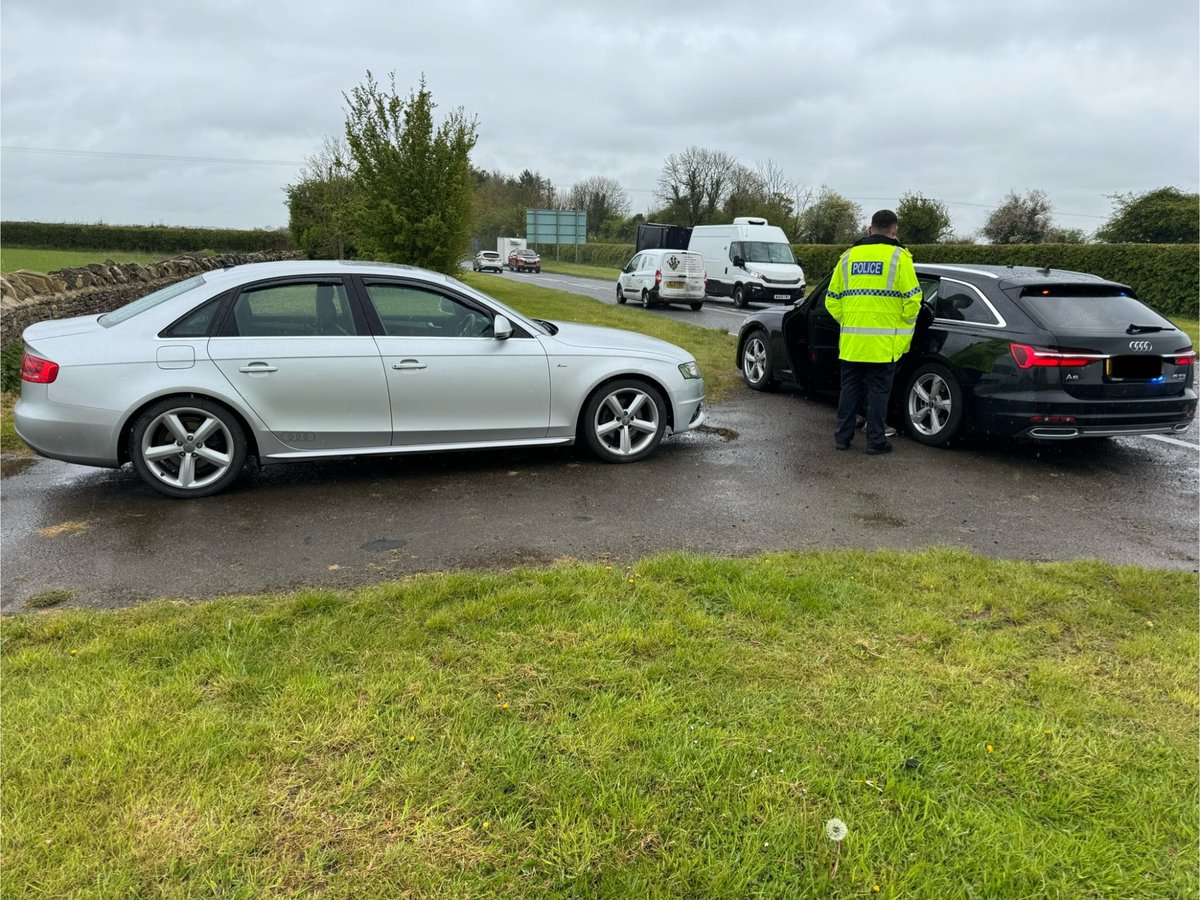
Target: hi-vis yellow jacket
(875, 296)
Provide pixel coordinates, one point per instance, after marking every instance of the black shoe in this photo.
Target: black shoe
(876, 451)
(840, 446)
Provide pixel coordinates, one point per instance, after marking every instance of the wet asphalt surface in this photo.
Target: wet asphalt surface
(761, 476)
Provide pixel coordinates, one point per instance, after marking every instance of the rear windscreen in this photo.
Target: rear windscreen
(1071, 309)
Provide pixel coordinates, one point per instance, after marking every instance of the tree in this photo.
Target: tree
(923, 221)
(1060, 235)
(602, 198)
(414, 182)
(1019, 220)
(830, 219)
(321, 204)
(694, 185)
(1162, 216)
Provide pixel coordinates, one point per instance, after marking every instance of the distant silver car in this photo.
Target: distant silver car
(305, 360)
(487, 259)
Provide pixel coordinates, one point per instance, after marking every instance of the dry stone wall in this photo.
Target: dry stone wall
(28, 297)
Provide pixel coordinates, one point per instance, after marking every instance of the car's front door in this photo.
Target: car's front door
(821, 355)
(451, 381)
(629, 277)
(298, 354)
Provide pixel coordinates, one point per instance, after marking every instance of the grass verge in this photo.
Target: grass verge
(682, 728)
(713, 348)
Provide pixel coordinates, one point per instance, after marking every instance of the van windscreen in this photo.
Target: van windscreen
(764, 252)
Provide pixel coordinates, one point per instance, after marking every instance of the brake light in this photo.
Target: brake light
(36, 370)
(1029, 357)
(1187, 358)
(657, 277)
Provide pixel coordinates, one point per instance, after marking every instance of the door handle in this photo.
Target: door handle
(255, 368)
(407, 364)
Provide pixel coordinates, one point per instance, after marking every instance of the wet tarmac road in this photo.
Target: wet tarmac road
(763, 475)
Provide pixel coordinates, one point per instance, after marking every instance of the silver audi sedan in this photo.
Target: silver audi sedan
(304, 360)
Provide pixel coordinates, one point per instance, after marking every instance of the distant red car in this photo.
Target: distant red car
(524, 261)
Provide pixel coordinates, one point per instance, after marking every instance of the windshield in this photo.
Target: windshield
(129, 310)
(762, 252)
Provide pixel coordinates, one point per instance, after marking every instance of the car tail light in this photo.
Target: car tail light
(1029, 357)
(657, 277)
(36, 370)
(1187, 358)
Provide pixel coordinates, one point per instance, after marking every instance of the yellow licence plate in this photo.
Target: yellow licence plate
(674, 284)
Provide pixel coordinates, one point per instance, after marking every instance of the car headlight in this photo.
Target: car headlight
(754, 274)
(689, 369)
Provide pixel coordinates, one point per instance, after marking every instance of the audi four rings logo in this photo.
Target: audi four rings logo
(1140, 346)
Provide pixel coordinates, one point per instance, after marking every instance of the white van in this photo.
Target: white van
(663, 276)
(750, 261)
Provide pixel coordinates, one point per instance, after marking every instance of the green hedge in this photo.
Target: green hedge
(1165, 276)
(141, 238)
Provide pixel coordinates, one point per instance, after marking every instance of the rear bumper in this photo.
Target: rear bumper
(74, 434)
(1059, 417)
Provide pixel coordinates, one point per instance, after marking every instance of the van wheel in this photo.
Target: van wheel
(620, 295)
(697, 306)
(646, 304)
(739, 296)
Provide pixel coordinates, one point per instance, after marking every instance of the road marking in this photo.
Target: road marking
(1171, 440)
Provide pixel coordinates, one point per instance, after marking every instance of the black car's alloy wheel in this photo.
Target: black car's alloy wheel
(188, 447)
(756, 361)
(933, 405)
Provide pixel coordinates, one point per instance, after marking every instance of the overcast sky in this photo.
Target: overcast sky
(200, 113)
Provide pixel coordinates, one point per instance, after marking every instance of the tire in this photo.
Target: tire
(620, 295)
(739, 296)
(537, 271)
(756, 367)
(646, 304)
(624, 420)
(933, 405)
(697, 306)
(188, 447)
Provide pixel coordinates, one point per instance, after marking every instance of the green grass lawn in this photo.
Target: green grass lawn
(14, 258)
(682, 728)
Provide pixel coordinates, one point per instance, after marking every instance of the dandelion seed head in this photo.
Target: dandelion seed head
(836, 830)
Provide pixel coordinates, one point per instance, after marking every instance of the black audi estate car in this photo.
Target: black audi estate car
(1002, 350)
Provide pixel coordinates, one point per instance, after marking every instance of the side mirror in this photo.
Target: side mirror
(501, 328)
(739, 262)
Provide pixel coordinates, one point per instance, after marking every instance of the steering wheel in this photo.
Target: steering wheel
(473, 325)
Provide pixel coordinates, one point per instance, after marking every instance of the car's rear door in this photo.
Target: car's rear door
(449, 379)
(299, 354)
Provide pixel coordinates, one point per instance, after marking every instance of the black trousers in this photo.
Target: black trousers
(875, 380)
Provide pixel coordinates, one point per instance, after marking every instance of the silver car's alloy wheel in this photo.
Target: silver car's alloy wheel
(625, 421)
(188, 448)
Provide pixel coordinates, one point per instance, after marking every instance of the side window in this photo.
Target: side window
(407, 310)
(648, 262)
(959, 303)
(295, 309)
(632, 265)
(198, 322)
(735, 250)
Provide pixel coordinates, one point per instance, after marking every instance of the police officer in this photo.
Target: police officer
(874, 295)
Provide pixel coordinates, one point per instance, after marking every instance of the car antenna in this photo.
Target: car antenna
(1044, 270)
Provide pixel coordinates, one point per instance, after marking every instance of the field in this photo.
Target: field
(685, 727)
(14, 258)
